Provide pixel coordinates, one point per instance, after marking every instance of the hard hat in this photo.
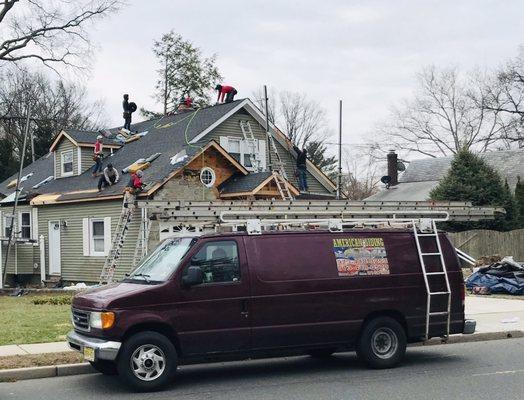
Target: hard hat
(99, 137)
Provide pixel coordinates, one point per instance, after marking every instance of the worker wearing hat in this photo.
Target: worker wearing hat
(97, 156)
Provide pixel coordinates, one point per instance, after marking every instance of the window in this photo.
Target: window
(67, 162)
(242, 150)
(207, 177)
(219, 262)
(25, 225)
(97, 236)
(8, 220)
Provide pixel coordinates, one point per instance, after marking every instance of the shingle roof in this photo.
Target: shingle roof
(41, 169)
(87, 136)
(243, 184)
(165, 135)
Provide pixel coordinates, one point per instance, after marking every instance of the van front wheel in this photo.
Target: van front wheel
(147, 361)
(382, 343)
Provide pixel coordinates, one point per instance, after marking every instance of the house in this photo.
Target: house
(421, 176)
(64, 226)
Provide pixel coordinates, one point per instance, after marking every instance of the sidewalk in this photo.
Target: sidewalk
(492, 316)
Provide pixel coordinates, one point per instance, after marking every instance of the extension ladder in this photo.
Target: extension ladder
(142, 241)
(279, 172)
(431, 277)
(117, 244)
(251, 143)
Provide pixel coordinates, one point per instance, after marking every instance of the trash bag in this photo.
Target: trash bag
(505, 276)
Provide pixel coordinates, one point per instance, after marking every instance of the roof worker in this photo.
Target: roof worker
(301, 169)
(134, 186)
(129, 108)
(97, 156)
(185, 103)
(109, 177)
(228, 91)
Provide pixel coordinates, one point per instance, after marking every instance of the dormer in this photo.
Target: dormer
(73, 151)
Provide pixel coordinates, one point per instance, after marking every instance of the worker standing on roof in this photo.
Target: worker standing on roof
(301, 169)
(129, 108)
(228, 91)
(109, 177)
(97, 156)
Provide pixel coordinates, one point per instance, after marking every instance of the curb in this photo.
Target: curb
(50, 371)
(19, 374)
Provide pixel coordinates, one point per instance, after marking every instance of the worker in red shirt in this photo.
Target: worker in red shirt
(228, 91)
(97, 156)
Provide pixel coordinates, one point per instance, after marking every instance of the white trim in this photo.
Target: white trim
(107, 235)
(62, 173)
(50, 248)
(92, 251)
(213, 177)
(20, 226)
(85, 237)
(54, 164)
(79, 163)
(255, 112)
(34, 222)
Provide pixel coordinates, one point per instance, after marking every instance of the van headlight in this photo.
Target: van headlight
(102, 320)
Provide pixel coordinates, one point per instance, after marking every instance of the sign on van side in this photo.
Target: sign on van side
(360, 256)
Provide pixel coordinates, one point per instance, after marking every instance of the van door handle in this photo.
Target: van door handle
(244, 311)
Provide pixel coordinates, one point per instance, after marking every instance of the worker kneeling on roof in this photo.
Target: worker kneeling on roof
(134, 186)
(228, 91)
(109, 177)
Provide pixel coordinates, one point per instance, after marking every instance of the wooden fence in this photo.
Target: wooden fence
(478, 243)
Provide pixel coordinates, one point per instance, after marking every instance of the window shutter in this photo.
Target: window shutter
(85, 235)
(224, 143)
(107, 235)
(262, 154)
(34, 223)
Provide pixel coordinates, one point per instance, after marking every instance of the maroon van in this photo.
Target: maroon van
(237, 296)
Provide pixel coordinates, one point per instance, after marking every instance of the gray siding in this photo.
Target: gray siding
(231, 127)
(86, 157)
(75, 266)
(22, 256)
(65, 145)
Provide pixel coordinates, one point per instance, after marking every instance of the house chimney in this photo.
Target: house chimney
(392, 167)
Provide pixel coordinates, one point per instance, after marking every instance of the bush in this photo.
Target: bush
(54, 301)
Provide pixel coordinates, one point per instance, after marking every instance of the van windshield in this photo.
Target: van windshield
(162, 262)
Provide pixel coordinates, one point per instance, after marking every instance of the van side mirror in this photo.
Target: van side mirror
(194, 276)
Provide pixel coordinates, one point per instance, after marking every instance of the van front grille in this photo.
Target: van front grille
(81, 320)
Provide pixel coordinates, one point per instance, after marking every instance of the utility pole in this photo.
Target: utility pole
(339, 183)
(17, 190)
(267, 128)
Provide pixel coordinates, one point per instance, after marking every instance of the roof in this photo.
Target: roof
(242, 184)
(166, 135)
(423, 175)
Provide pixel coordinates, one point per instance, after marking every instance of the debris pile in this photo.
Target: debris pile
(504, 276)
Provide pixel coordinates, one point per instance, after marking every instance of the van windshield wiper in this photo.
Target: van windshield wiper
(145, 276)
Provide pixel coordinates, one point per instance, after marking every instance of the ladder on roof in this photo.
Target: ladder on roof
(279, 172)
(251, 143)
(436, 279)
(117, 244)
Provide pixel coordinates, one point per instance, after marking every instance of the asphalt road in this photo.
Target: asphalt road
(481, 370)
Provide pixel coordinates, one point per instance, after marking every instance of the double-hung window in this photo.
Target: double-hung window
(96, 236)
(67, 162)
(248, 152)
(8, 220)
(25, 225)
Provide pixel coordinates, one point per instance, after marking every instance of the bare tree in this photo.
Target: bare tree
(448, 113)
(361, 177)
(50, 31)
(55, 105)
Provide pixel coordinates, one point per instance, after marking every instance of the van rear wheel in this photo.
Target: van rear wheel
(382, 343)
(147, 361)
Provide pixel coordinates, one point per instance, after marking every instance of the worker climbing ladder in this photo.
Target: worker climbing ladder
(117, 244)
(251, 143)
(438, 291)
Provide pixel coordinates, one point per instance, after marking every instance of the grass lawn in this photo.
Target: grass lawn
(23, 322)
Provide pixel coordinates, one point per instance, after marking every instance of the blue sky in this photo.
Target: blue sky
(363, 52)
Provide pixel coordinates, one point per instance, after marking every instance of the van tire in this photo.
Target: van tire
(157, 364)
(382, 343)
(105, 367)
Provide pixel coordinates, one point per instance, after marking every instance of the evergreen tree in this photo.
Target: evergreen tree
(471, 179)
(519, 198)
(183, 71)
(317, 153)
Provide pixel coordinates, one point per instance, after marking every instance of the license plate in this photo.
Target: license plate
(89, 354)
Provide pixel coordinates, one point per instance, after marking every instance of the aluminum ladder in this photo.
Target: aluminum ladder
(251, 143)
(428, 228)
(279, 173)
(142, 241)
(117, 244)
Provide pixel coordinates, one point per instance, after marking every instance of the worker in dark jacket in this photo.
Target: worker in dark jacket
(127, 112)
(109, 177)
(228, 91)
(301, 169)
